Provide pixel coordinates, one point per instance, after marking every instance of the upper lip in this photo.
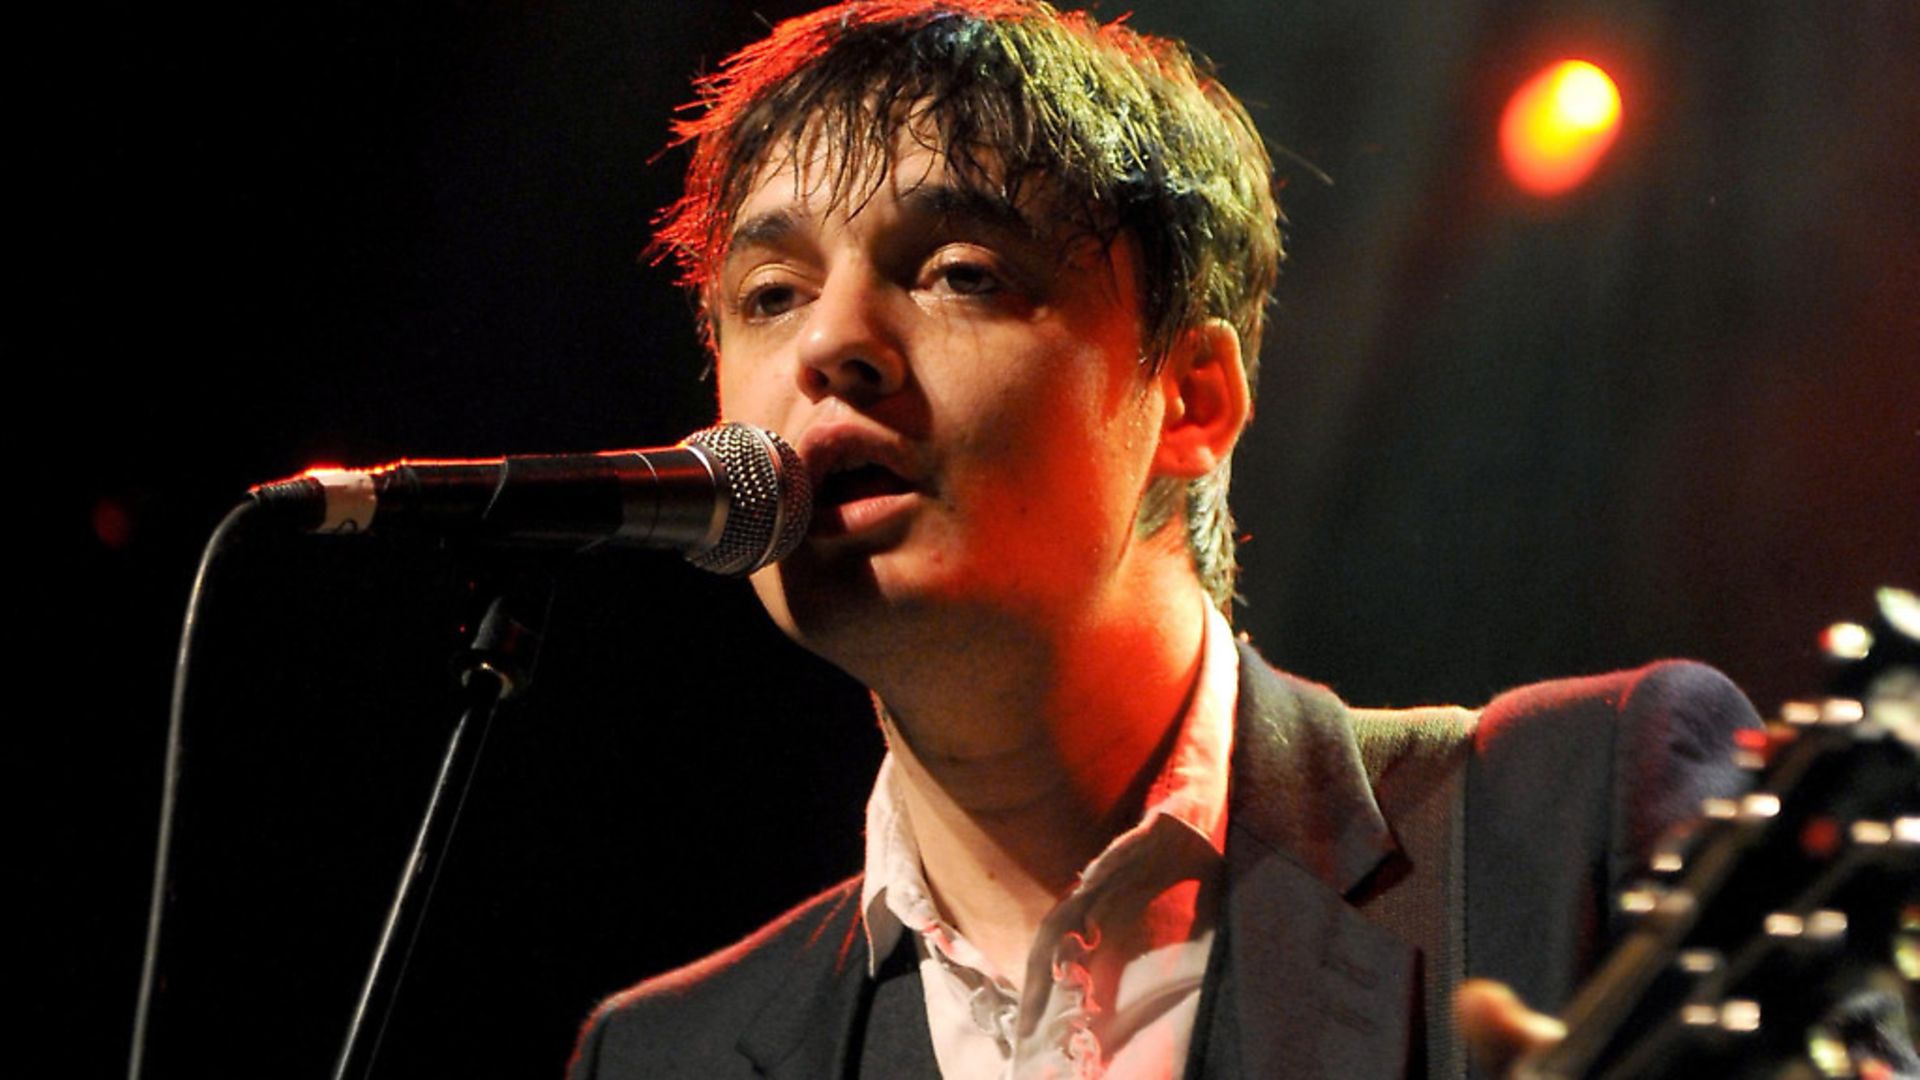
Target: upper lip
(841, 447)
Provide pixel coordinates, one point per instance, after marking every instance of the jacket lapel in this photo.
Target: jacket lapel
(1311, 988)
(808, 1024)
(1303, 985)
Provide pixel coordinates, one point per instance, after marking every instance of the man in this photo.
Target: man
(999, 275)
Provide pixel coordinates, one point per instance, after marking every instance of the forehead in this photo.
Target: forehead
(915, 182)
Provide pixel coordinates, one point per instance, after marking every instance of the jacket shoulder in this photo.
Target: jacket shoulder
(1571, 784)
(1659, 738)
(1693, 698)
(688, 1022)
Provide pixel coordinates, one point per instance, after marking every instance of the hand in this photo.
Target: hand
(1499, 1027)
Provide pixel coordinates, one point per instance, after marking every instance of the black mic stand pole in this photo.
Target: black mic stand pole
(497, 666)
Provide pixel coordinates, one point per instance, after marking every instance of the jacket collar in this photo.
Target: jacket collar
(807, 1025)
(1300, 789)
(1313, 987)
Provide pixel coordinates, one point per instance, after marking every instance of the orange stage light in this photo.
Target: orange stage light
(1558, 125)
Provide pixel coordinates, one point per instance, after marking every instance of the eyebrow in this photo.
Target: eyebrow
(767, 228)
(945, 202)
(963, 205)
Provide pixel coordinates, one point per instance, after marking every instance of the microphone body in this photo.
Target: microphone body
(732, 499)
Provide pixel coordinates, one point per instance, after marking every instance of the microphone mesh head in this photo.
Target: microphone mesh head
(769, 498)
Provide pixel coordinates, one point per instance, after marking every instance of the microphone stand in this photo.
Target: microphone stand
(498, 665)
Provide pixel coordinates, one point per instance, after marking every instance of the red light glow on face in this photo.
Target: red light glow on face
(1558, 125)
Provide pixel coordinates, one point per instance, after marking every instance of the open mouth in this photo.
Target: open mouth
(840, 487)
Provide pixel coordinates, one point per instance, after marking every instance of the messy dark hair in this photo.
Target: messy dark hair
(1124, 133)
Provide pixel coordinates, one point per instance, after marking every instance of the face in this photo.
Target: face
(965, 385)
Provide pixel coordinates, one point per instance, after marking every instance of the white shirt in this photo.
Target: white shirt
(1113, 979)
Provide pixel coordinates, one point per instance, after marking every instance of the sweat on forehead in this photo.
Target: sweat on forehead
(1123, 130)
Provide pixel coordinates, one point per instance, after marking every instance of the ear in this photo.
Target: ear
(1207, 402)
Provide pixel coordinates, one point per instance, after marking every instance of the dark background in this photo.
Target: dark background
(1674, 412)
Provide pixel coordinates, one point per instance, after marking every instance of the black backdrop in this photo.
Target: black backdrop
(1672, 413)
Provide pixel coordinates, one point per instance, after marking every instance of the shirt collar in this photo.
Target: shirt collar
(1191, 790)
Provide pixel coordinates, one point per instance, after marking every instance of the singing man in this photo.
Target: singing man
(999, 274)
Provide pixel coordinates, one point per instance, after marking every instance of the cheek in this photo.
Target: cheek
(1056, 391)
(724, 390)
(747, 392)
(1075, 465)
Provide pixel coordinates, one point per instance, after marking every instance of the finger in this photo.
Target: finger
(1499, 1027)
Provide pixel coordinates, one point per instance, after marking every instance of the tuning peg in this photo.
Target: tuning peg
(1673, 851)
(1846, 641)
(1652, 904)
(1826, 712)
(1739, 1016)
(1713, 1034)
(1903, 832)
(1759, 806)
(1699, 963)
(1819, 927)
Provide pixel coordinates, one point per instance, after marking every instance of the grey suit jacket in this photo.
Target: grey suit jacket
(1556, 790)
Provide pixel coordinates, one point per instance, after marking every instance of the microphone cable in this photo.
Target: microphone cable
(222, 538)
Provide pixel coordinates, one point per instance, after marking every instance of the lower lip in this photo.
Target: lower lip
(860, 517)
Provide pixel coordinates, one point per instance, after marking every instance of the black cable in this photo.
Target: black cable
(170, 783)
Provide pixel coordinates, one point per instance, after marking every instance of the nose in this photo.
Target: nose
(849, 348)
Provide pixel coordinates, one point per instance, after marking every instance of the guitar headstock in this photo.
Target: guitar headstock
(1779, 935)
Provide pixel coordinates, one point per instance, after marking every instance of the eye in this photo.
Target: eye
(968, 279)
(964, 272)
(768, 301)
(767, 295)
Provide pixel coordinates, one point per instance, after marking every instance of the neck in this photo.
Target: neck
(1019, 764)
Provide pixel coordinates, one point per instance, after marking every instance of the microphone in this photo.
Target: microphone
(732, 499)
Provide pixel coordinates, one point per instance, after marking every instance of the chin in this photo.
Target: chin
(855, 613)
(820, 607)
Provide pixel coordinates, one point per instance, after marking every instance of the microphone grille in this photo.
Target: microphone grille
(769, 498)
